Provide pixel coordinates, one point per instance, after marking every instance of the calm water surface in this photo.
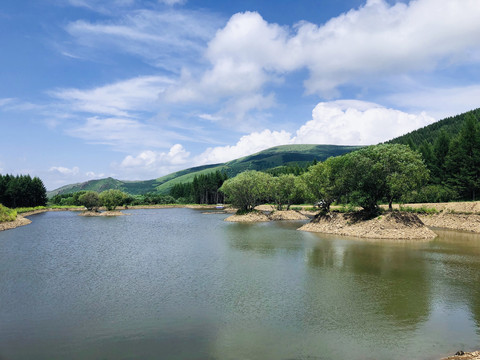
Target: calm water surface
(179, 284)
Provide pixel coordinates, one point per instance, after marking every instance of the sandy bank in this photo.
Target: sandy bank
(259, 216)
(394, 225)
(468, 355)
(19, 221)
(462, 222)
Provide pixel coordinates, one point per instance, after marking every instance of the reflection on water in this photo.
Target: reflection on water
(177, 284)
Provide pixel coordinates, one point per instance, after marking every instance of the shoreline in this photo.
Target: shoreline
(457, 216)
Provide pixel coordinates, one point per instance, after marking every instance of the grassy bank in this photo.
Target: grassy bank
(7, 214)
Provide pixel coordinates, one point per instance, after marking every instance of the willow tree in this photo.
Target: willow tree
(248, 189)
(387, 171)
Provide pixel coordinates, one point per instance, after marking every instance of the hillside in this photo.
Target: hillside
(429, 133)
(263, 160)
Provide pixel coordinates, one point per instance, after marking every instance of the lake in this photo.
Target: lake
(180, 284)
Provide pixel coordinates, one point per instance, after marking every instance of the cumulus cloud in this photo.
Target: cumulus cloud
(247, 145)
(376, 39)
(153, 160)
(345, 122)
(64, 170)
(351, 122)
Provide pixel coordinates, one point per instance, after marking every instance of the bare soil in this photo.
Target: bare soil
(103, 213)
(259, 216)
(468, 355)
(394, 225)
(19, 221)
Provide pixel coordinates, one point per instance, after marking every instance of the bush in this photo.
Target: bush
(112, 198)
(90, 200)
(7, 214)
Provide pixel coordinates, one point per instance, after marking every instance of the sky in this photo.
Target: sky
(137, 89)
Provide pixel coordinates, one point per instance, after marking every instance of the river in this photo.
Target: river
(180, 284)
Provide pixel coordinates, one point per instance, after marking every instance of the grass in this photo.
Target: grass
(22, 210)
(420, 210)
(7, 214)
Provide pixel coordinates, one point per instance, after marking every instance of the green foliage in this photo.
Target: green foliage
(21, 191)
(248, 189)
(451, 125)
(284, 190)
(430, 194)
(112, 198)
(157, 199)
(90, 200)
(7, 214)
(451, 151)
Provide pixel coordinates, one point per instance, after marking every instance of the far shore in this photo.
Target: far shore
(461, 216)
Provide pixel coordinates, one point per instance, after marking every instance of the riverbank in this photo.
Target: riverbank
(259, 216)
(475, 355)
(392, 226)
(19, 221)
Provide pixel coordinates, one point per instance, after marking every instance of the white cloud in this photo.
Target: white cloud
(93, 175)
(117, 99)
(345, 122)
(247, 145)
(155, 163)
(376, 40)
(6, 101)
(173, 2)
(120, 133)
(351, 122)
(159, 37)
(64, 170)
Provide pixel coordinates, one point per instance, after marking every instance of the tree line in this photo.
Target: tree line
(383, 173)
(22, 191)
(453, 162)
(204, 189)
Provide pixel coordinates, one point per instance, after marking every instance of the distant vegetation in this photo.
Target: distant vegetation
(22, 191)
(366, 177)
(451, 151)
(274, 159)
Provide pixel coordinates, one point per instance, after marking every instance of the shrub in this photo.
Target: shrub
(7, 214)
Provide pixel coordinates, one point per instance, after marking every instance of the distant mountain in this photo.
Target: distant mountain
(263, 160)
(429, 133)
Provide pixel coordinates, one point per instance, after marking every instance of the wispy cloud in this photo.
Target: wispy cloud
(160, 37)
(122, 133)
(123, 98)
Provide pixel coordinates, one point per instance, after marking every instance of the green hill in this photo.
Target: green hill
(263, 160)
(429, 133)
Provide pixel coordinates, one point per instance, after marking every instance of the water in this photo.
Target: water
(179, 284)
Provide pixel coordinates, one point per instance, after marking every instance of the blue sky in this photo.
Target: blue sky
(138, 89)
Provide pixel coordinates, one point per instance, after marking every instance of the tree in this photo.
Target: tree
(247, 189)
(384, 171)
(325, 182)
(463, 160)
(284, 190)
(112, 198)
(90, 200)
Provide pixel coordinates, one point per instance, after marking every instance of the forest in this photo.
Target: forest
(22, 191)
(451, 153)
